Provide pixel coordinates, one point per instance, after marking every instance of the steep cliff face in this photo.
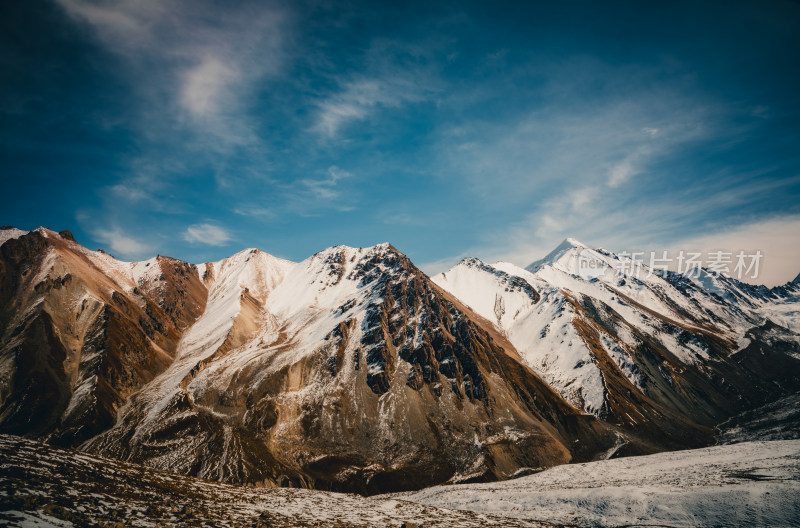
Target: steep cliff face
(363, 376)
(81, 332)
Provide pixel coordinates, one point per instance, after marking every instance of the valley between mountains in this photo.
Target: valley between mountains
(353, 371)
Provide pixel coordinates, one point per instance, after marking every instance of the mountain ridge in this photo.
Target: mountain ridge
(352, 370)
(608, 323)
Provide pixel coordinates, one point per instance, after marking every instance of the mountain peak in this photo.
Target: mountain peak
(565, 248)
(349, 251)
(471, 261)
(248, 255)
(574, 242)
(245, 253)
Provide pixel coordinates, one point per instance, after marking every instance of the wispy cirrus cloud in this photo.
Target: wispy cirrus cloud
(196, 57)
(325, 188)
(624, 170)
(557, 148)
(208, 234)
(394, 74)
(122, 244)
(125, 26)
(254, 211)
(358, 98)
(334, 190)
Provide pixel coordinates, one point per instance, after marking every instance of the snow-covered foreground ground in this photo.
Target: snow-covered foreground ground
(747, 484)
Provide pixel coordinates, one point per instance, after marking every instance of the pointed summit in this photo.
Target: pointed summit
(564, 249)
(574, 242)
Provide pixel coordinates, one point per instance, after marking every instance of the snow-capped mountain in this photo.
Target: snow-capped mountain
(646, 350)
(358, 375)
(349, 370)
(352, 370)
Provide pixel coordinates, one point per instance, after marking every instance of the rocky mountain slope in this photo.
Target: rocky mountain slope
(352, 370)
(80, 332)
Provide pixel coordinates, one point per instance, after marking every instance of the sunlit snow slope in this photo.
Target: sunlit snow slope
(747, 484)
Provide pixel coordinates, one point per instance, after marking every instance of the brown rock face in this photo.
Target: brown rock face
(77, 338)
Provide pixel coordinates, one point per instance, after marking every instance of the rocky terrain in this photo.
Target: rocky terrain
(778, 420)
(48, 487)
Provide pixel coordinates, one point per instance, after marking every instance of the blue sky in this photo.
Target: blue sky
(196, 129)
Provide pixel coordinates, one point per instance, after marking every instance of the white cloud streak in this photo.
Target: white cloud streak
(254, 211)
(193, 57)
(359, 98)
(325, 188)
(383, 84)
(208, 234)
(122, 244)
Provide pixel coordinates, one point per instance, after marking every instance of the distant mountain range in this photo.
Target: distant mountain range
(353, 370)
